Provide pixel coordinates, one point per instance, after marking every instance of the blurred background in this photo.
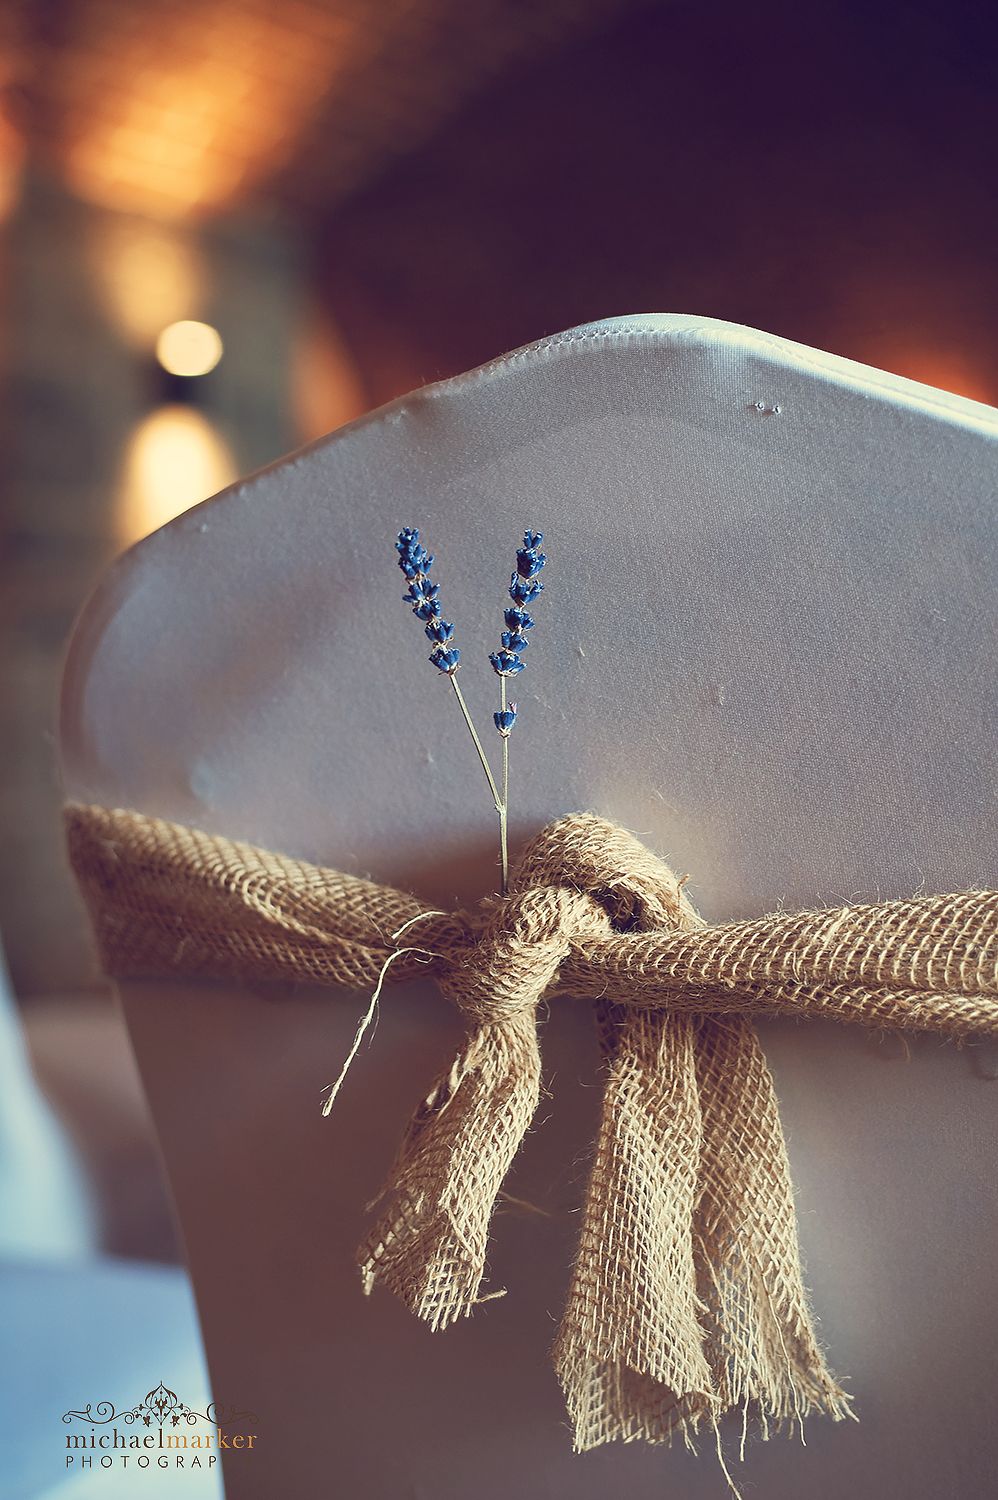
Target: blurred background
(229, 226)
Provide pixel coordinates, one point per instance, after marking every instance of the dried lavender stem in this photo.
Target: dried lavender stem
(504, 811)
(503, 850)
(478, 745)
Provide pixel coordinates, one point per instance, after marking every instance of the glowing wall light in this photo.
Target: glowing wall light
(175, 458)
(189, 348)
(147, 275)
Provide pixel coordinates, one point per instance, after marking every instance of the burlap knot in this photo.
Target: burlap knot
(686, 1297)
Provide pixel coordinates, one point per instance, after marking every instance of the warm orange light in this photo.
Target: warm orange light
(175, 459)
(932, 361)
(12, 156)
(148, 274)
(947, 370)
(189, 348)
(326, 388)
(208, 97)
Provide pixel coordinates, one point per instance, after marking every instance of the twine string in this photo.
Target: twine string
(372, 1008)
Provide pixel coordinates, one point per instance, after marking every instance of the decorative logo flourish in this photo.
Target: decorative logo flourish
(161, 1407)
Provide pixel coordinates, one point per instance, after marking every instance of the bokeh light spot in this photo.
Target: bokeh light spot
(189, 347)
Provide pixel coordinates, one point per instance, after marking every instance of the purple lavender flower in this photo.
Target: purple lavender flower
(518, 619)
(420, 590)
(416, 562)
(506, 663)
(529, 562)
(524, 588)
(447, 661)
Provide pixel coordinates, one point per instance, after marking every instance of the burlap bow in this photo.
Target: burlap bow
(686, 1297)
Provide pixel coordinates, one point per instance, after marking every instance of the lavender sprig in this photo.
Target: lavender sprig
(416, 562)
(524, 588)
(422, 595)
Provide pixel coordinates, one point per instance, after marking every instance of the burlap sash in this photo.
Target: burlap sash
(686, 1297)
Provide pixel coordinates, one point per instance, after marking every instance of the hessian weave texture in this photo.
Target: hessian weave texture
(686, 1297)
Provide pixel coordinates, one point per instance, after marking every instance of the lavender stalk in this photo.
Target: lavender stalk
(524, 588)
(422, 595)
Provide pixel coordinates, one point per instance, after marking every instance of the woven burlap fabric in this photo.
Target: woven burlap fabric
(686, 1297)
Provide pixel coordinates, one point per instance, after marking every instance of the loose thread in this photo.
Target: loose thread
(720, 1458)
(369, 1014)
(798, 1410)
(524, 1204)
(490, 1297)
